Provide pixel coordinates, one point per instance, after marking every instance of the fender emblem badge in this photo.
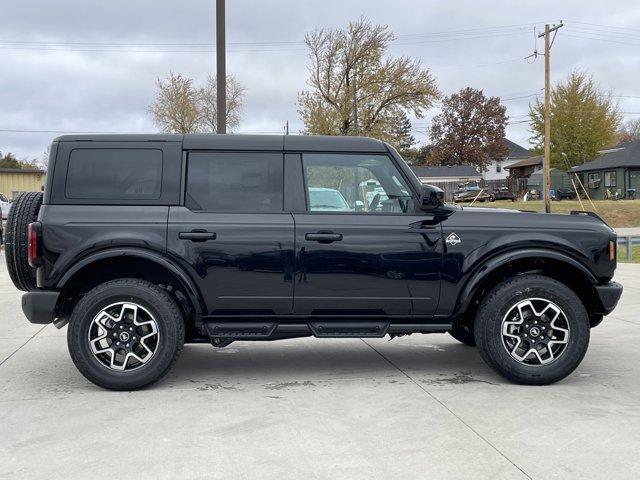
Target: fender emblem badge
(453, 239)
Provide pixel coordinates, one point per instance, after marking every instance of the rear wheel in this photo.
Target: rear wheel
(24, 210)
(125, 334)
(532, 329)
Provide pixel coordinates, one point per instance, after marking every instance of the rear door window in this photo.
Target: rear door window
(235, 182)
(114, 174)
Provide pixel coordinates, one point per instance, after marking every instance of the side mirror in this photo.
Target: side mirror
(359, 206)
(432, 198)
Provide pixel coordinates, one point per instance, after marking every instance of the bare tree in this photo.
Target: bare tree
(181, 107)
(630, 130)
(355, 89)
(208, 108)
(175, 109)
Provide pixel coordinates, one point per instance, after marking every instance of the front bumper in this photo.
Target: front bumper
(609, 294)
(39, 305)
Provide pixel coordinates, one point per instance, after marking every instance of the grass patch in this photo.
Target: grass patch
(622, 254)
(618, 214)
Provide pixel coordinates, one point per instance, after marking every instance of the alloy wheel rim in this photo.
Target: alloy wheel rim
(123, 336)
(535, 332)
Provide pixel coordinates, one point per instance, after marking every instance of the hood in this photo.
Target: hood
(507, 218)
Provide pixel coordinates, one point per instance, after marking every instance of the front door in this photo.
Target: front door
(362, 249)
(233, 233)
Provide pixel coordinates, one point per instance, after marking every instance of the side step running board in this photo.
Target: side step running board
(235, 330)
(349, 329)
(241, 330)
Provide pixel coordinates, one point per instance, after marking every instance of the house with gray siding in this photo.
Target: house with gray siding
(615, 170)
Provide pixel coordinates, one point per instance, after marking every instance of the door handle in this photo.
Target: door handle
(323, 237)
(197, 235)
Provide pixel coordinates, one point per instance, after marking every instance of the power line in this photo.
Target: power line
(79, 132)
(474, 31)
(70, 132)
(585, 37)
(207, 47)
(481, 65)
(616, 27)
(604, 33)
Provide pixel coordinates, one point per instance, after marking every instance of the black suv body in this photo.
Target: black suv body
(146, 242)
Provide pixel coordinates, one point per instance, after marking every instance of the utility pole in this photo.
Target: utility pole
(286, 128)
(355, 103)
(221, 68)
(546, 165)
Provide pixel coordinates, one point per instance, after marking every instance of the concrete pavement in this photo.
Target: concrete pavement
(416, 407)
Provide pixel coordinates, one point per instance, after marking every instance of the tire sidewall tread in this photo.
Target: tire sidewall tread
(488, 328)
(24, 210)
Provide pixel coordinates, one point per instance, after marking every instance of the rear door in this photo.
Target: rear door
(232, 232)
(362, 247)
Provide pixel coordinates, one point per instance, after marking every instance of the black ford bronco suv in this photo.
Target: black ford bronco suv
(142, 243)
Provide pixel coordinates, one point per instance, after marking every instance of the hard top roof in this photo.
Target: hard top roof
(206, 141)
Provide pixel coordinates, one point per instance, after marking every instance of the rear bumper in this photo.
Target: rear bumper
(39, 305)
(609, 294)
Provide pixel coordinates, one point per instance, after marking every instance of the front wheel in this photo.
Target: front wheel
(532, 329)
(125, 334)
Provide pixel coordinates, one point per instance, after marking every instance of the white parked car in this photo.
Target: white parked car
(4, 206)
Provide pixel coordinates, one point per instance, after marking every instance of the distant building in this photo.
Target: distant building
(17, 180)
(525, 167)
(498, 169)
(447, 174)
(615, 170)
(527, 175)
(557, 179)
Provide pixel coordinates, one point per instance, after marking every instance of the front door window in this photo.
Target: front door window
(344, 183)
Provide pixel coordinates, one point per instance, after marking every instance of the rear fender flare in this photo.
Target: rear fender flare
(161, 260)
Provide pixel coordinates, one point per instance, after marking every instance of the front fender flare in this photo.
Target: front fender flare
(188, 284)
(498, 261)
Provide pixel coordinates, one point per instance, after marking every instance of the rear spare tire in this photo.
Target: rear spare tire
(24, 210)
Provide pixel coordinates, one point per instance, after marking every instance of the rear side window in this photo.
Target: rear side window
(235, 182)
(114, 174)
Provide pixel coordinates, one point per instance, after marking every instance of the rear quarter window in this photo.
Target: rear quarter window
(114, 174)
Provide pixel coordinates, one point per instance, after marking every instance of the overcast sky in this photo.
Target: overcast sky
(89, 66)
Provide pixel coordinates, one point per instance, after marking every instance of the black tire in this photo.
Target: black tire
(170, 327)
(24, 210)
(496, 305)
(464, 335)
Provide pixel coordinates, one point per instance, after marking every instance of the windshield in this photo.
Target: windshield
(324, 199)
